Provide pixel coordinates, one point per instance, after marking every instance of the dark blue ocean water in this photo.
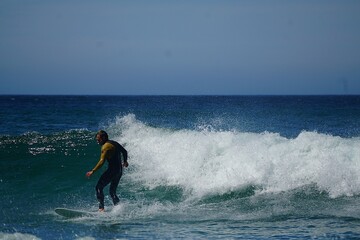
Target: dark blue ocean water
(200, 166)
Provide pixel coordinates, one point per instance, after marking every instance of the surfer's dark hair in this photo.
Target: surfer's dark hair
(102, 134)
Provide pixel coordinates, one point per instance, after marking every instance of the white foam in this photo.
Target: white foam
(17, 236)
(205, 161)
(86, 238)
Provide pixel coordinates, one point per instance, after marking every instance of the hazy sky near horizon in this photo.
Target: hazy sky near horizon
(180, 47)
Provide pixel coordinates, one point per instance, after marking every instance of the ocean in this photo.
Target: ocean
(200, 167)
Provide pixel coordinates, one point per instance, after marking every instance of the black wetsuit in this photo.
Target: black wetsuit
(112, 152)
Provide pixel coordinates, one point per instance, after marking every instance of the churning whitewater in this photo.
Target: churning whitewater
(200, 167)
(210, 162)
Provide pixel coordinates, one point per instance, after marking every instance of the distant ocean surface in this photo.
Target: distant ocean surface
(201, 167)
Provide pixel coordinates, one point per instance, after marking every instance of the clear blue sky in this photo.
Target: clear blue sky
(180, 47)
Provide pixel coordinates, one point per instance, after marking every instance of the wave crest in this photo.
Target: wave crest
(205, 161)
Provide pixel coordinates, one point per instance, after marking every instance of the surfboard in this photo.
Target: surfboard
(72, 213)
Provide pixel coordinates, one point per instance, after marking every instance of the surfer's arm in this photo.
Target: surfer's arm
(125, 155)
(104, 154)
(98, 165)
(105, 150)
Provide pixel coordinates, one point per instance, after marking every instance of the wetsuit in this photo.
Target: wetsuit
(112, 152)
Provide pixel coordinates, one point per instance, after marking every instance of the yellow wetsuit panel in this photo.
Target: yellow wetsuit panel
(107, 152)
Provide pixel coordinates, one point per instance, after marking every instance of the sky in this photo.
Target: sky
(187, 47)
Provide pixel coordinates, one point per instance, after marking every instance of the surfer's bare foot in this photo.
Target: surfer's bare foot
(101, 210)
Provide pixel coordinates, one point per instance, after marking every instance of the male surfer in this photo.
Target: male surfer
(112, 152)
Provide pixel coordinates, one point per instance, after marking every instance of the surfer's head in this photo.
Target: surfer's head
(101, 137)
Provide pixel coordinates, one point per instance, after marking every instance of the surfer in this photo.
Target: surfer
(112, 152)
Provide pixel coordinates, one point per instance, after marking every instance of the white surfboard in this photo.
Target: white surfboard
(72, 213)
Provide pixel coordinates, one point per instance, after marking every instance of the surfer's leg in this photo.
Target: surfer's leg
(113, 185)
(103, 181)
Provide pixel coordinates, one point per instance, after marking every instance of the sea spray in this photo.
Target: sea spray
(209, 162)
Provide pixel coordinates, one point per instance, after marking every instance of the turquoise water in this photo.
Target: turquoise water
(202, 167)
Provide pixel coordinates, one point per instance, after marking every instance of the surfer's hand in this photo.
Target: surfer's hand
(88, 174)
(125, 164)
